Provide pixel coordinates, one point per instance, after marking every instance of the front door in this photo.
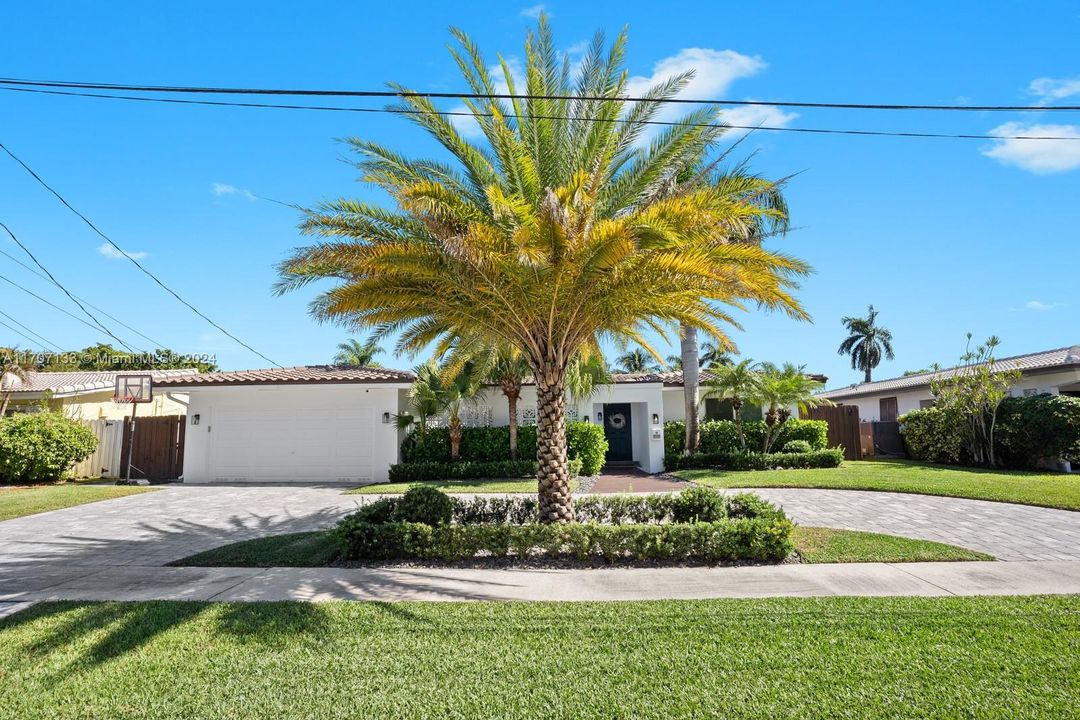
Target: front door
(617, 431)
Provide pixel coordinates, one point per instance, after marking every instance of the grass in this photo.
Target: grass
(479, 485)
(28, 500)
(815, 545)
(827, 545)
(991, 657)
(1056, 490)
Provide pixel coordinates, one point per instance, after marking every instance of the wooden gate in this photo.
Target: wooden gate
(105, 461)
(159, 447)
(843, 423)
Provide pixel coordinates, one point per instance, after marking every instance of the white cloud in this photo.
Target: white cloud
(1039, 306)
(533, 12)
(223, 189)
(757, 115)
(1037, 156)
(1050, 89)
(112, 253)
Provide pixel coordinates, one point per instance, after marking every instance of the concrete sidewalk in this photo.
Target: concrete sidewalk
(35, 583)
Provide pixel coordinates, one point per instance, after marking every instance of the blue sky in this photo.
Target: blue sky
(942, 236)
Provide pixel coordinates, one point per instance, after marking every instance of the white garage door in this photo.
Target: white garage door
(293, 445)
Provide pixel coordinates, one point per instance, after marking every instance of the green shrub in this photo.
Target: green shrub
(379, 511)
(423, 504)
(509, 510)
(933, 435)
(1038, 427)
(674, 437)
(586, 442)
(698, 504)
(42, 446)
(753, 540)
(759, 461)
(720, 437)
(797, 446)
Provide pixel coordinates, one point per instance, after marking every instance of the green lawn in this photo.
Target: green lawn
(815, 545)
(827, 545)
(19, 501)
(1056, 490)
(458, 486)
(1002, 657)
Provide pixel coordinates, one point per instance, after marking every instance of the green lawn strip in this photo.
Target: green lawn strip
(988, 657)
(302, 549)
(1056, 490)
(457, 486)
(828, 545)
(19, 501)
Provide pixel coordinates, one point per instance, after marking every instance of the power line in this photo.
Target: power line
(54, 345)
(129, 257)
(450, 113)
(86, 302)
(59, 285)
(523, 96)
(29, 339)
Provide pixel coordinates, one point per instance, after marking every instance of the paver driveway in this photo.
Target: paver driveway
(176, 521)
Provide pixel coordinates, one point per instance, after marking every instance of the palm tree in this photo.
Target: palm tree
(736, 383)
(544, 235)
(425, 399)
(353, 353)
(12, 371)
(459, 390)
(713, 356)
(505, 366)
(866, 343)
(584, 373)
(636, 361)
(778, 390)
(689, 364)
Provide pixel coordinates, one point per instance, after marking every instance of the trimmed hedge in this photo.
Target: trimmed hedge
(585, 442)
(38, 447)
(758, 461)
(423, 504)
(469, 470)
(722, 436)
(1038, 427)
(933, 435)
(748, 540)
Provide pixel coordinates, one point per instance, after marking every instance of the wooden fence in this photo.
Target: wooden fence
(843, 423)
(105, 462)
(159, 447)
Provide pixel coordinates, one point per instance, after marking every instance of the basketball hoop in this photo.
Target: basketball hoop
(133, 389)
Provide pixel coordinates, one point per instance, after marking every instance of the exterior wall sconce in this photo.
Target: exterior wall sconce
(655, 419)
(195, 419)
(386, 418)
(600, 416)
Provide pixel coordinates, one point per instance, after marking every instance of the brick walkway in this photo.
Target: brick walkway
(621, 480)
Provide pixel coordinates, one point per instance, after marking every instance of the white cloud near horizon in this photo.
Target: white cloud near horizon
(1040, 306)
(107, 250)
(1042, 157)
(223, 189)
(533, 12)
(1050, 89)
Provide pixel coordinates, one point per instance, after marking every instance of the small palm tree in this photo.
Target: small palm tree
(13, 370)
(505, 366)
(866, 343)
(425, 399)
(736, 383)
(353, 353)
(674, 362)
(636, 361)
(584, 373)
(778, 390)
(713, 356)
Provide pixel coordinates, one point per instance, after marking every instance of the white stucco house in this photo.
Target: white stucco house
(1051, 371)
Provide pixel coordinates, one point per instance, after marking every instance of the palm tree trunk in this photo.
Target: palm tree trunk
(736, 408)
(455, 437)
(689, 352)
(868, 371)
(553, 473)
(512, 401)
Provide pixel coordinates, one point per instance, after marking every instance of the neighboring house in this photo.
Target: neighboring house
(87, 395)
(1052, 371)
(303, 424)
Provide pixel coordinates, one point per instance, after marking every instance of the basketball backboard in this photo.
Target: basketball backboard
(133, 389)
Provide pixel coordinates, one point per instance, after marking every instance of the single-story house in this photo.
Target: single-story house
(1052, 371)
(87, 395)
(325, 423)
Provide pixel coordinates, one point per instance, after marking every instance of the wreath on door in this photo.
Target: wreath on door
(617, 421)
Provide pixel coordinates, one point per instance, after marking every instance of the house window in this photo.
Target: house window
(925, 404)
(716, 409)
(887, 409)
(1031, 392)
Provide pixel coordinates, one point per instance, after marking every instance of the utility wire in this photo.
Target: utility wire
(520, 96)
(86, 302)
(450, 113)
(135, 262)
(54, 345)
(59, 285)
(29, 339)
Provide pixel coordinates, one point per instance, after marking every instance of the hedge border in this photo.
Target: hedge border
(757, 461)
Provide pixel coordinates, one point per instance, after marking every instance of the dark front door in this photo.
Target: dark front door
(617, 432)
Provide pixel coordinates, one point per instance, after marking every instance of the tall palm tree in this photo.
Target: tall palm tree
(778, 390)
(713, 356)
(13, 370)
(584, 373)
(544, 235)
(636, 361)
(353, 353)
(866, 343)
(736, 383)
(673, 362)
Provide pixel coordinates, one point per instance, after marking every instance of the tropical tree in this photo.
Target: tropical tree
(546, 234)
(712, 356)
(673, 362)
(584, 373)
(779, 389)
(458, 390)
(866, 343)
(736, 383)
(636, 361)
(505, 366)
(425, 399)
(13, 370)
(354, 353)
